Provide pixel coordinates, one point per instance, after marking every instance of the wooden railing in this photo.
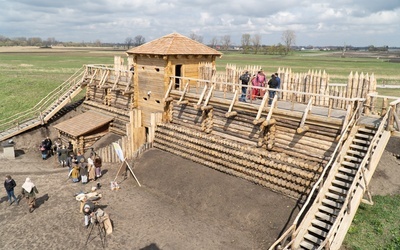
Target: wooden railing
(227, 91)
(44, 104)
(292, 230)
(358, 178)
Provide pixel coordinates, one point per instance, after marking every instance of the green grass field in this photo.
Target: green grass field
(26, 76)
(300, 62)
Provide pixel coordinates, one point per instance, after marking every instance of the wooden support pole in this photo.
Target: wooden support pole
(171, 83)
(183, 94)
(210, 92)
(302, 128)
(203, 93)
(261, 108)
(347, 118)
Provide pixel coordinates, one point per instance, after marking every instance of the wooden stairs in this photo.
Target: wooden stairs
(42, 112)
(329, 217)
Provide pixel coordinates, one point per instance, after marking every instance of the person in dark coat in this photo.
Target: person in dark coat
(9, 185)
(88, 211)
(272, 84)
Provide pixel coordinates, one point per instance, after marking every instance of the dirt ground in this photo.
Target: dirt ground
(181, 204)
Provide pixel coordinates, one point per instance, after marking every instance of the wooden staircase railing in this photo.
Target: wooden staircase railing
(328, 219)
(358, 188)
(287, 238)
(45, 109)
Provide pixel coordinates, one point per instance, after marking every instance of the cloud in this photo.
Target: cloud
(319, 22)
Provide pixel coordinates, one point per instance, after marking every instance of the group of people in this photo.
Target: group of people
(85, 170)
(80, 169)
(28, 192)
(257, 81)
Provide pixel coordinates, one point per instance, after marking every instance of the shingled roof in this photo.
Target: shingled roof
(83, 123)
(174, 44)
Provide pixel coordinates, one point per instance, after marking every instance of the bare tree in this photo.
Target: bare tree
(50, 41)
(245, 43)
(139, 40)
(128, 42)
(35, 41)
(256, 41)
(226, 42)
(97, 43)
(196, 37)
(214, 42)
(288, 39)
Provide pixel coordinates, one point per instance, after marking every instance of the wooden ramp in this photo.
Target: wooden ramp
(42, 112)
(329, 217)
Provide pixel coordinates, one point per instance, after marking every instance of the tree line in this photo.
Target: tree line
(249, 43)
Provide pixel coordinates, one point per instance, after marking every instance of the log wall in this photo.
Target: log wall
(274, 156)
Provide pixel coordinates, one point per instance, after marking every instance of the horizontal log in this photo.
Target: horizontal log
(300, 155)
(233, 126)
(301, 149)
(234, 134)
(269, 123)
(303, 129)
(208, 107)
(306, 141)
(183, 102)
(230, 114)
(308, 134)
(186, 124)
(246, 171)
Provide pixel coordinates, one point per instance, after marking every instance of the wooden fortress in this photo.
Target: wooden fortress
(163, 100)
(167, 94)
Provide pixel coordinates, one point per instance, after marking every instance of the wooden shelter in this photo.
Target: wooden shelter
(84, 129)
(157, 61)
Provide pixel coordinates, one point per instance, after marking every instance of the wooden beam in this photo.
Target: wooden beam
(260, 109)
(183, 94)
(209, 95)
(203, 93)
(116, 80)
(347, 118)
(302, 128)
(92, 78)
(270, 121)
(103, 78)
(230, 113)
(171, 83)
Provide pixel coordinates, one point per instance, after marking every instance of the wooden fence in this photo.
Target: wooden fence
(109, 155)
(312, 82)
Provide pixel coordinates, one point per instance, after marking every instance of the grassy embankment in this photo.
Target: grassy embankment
(26, 77)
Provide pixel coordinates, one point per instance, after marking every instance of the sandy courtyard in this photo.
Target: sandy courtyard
(181, 204)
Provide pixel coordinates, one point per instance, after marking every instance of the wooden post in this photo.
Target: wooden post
(302, 128)
(203, 93)
(261, 108)
(171, 83)
(183, 95)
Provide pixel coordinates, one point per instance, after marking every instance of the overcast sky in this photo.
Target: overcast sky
(315, 22)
